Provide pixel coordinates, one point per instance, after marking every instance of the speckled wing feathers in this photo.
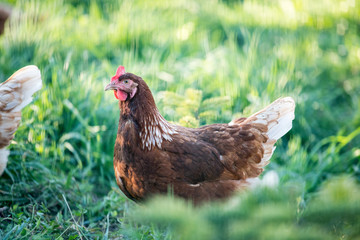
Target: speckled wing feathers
(258, 134)
(215, 160)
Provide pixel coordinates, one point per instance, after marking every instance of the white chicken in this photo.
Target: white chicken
(15, 94)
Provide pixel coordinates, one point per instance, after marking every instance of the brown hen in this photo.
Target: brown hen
(152, 156)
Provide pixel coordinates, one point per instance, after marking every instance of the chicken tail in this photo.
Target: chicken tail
(278, 117)
(15, 94)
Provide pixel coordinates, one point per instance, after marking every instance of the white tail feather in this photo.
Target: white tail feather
(278, 118)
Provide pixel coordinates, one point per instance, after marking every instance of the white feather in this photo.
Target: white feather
(15, 94)
(3, 159)
(278, 117)
(155, 131)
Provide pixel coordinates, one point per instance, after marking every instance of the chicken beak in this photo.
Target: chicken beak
(110, 86)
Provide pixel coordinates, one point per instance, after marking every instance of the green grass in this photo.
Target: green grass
(205, 62)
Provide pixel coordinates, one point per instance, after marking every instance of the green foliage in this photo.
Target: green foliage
(333, 213)
(205, 62)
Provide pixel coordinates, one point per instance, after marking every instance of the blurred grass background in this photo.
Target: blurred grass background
(205, 62)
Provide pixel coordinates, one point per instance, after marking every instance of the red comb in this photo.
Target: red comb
(120, 71)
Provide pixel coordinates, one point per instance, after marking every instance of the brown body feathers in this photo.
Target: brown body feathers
(152, 155)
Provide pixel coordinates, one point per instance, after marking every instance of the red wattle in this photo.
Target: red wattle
(121, 95)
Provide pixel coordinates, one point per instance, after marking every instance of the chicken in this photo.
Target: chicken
(153, 156)
(15, 94)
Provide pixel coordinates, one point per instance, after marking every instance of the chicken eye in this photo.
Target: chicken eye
(126, 81)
